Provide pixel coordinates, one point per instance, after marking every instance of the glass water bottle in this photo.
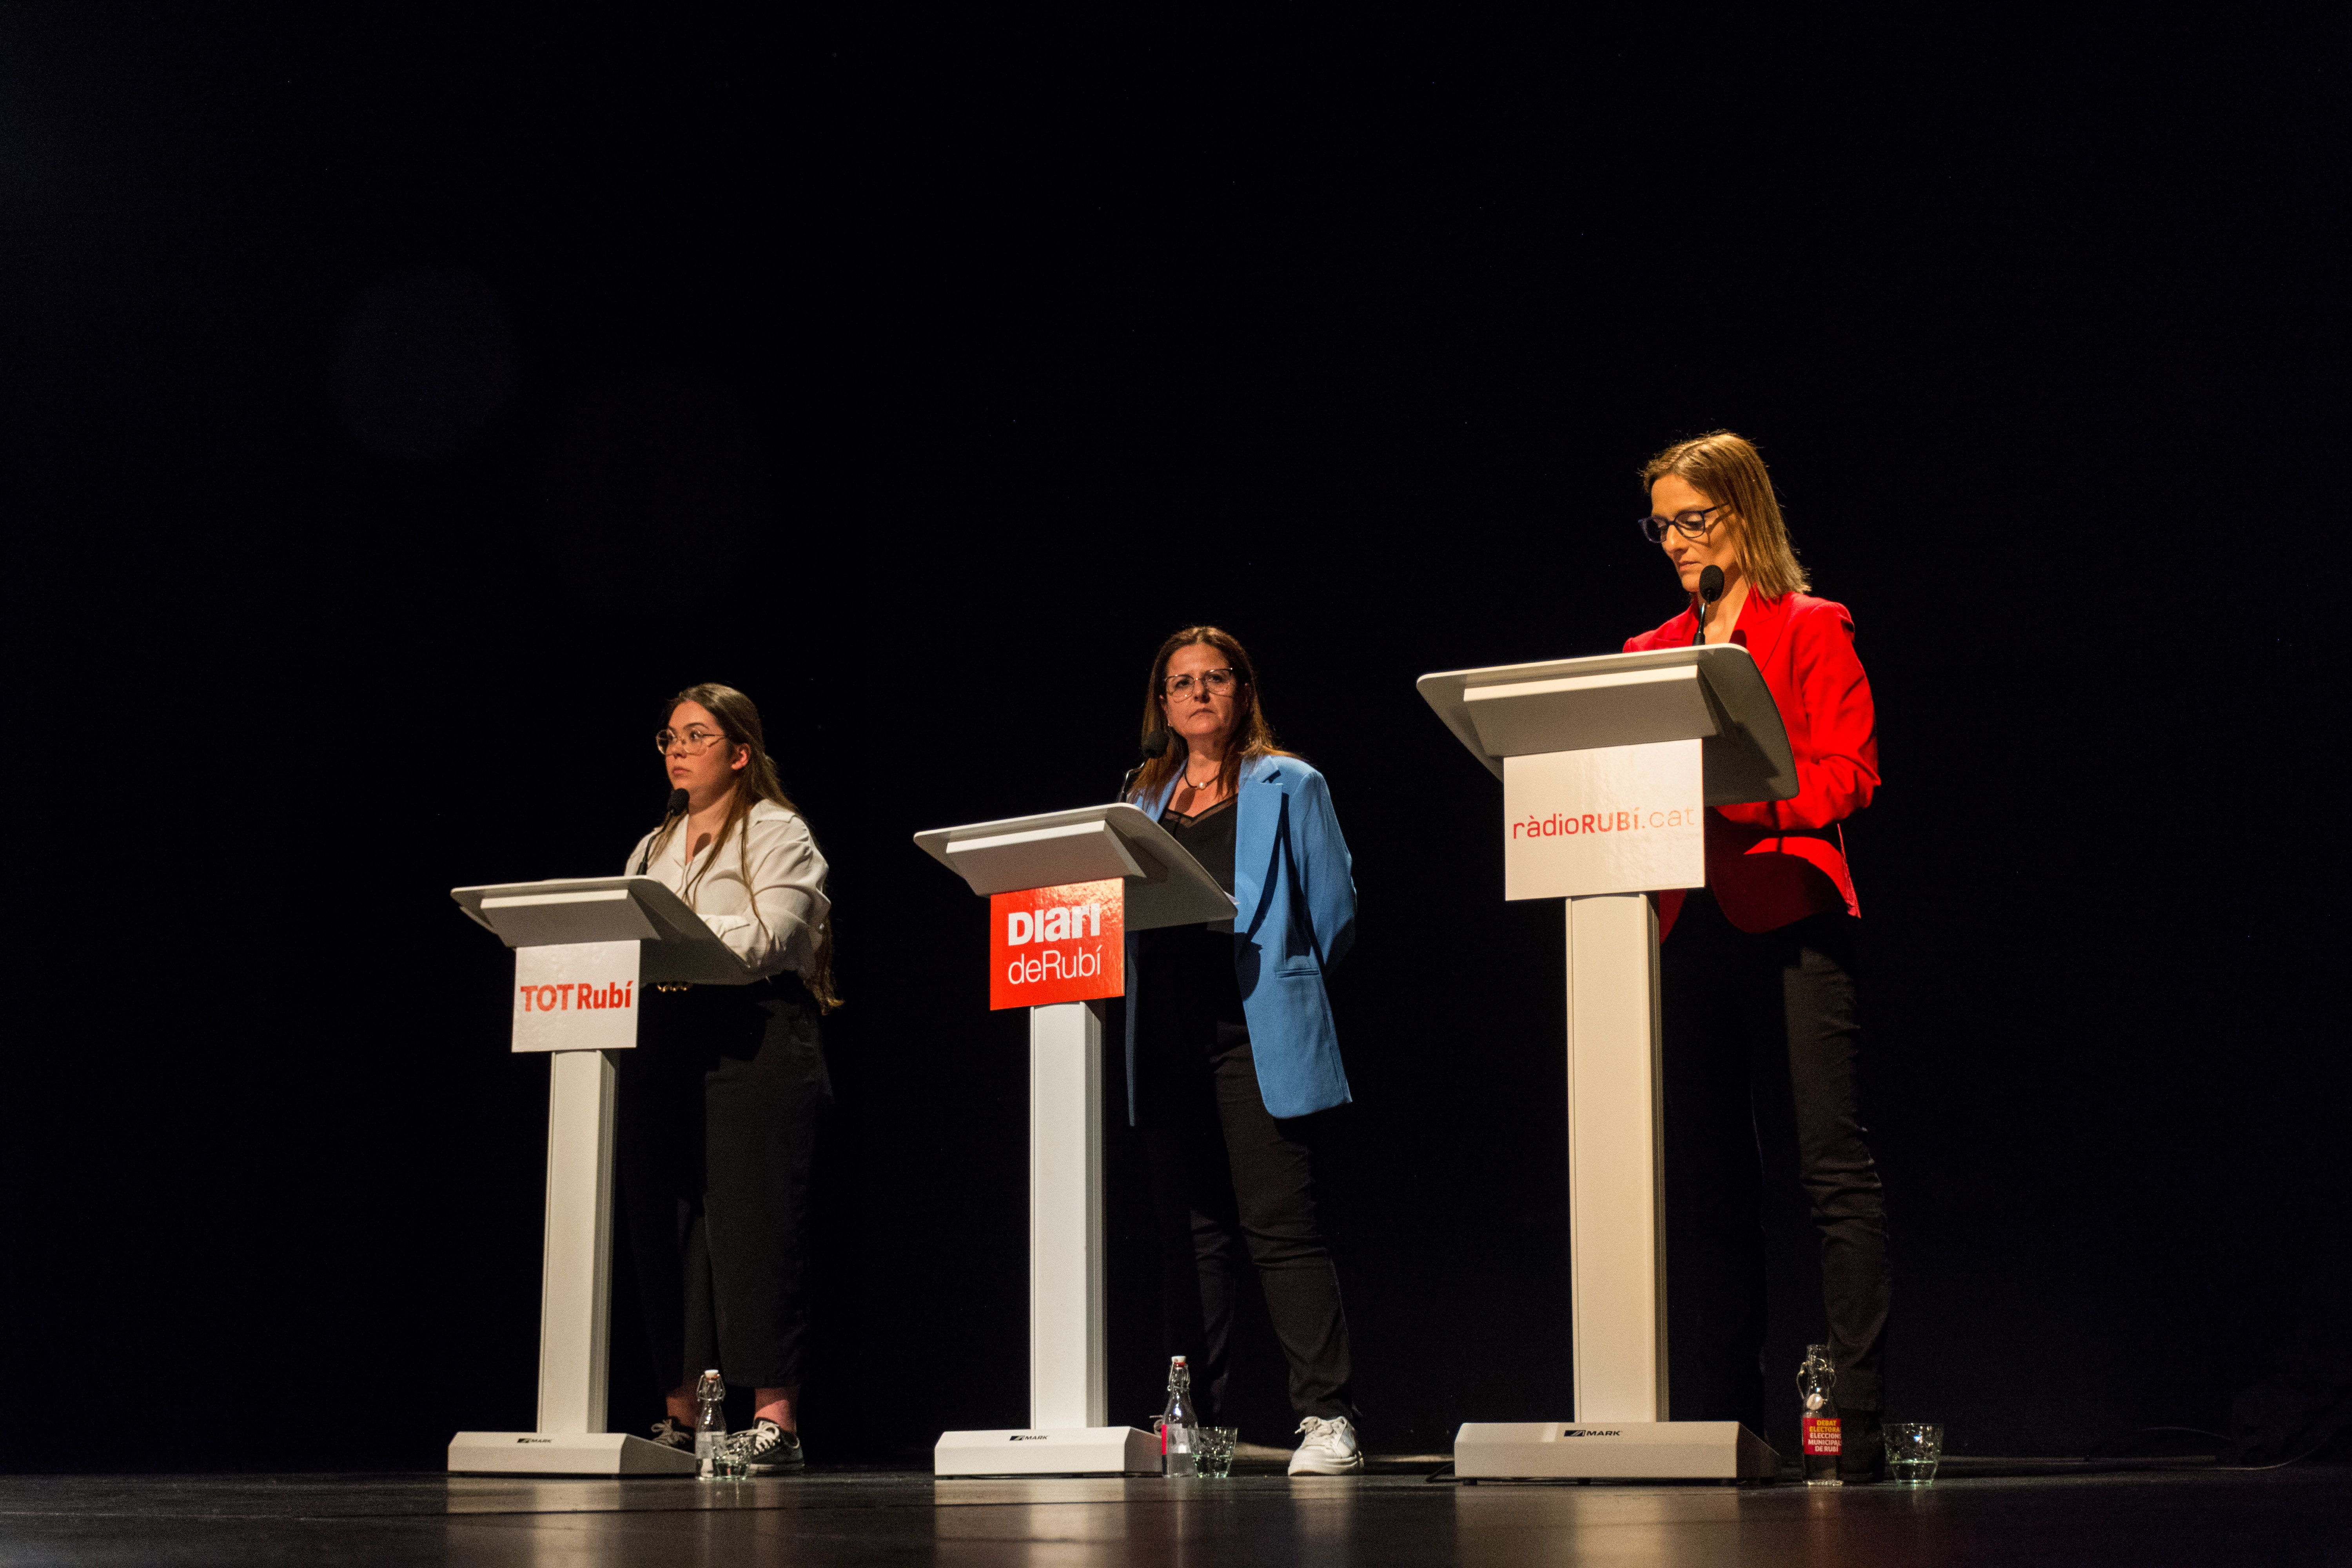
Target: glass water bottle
(711, 1425)
(1178, 1437)
(1819, 1430)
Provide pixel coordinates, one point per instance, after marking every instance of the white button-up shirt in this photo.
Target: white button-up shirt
(785, 886)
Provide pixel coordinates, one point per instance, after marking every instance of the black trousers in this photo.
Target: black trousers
(719, 1111)
(1774, 1014)
(1227, 1177)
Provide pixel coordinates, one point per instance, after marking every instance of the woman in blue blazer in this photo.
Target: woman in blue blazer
(1232, 1056)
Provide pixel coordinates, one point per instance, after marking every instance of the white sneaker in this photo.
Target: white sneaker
(767, 1449)
(1329, 1449)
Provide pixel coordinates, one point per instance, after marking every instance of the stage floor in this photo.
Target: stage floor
(2300, 1515)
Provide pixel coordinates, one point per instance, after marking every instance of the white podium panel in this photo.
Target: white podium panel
(1621, 819)
(575, 1300)
(1069, 1375)
(584, 950)
(579, 997)
(1616, 1145)
(1069, 1430)
(1607, 766)
(563, 1454)
(677, 947)
(575, 1317)
(1069, 1384)
(1165, 886)
(1713, 694)
(1612, 1450)
(1048, 1451)
(1592, 710)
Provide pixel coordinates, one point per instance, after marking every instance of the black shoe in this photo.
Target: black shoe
(1862, 1456)
(767, 1449)
(670, 1435)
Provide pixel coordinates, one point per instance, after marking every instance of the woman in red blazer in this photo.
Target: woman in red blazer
(1761, 971)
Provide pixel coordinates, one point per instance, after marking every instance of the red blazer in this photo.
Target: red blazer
(1771, 862)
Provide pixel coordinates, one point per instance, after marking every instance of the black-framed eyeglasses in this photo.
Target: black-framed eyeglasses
(1689, 524)
(694, 741)
(1215, 682)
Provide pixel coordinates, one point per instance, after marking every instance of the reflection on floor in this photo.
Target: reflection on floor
(2202, 1517)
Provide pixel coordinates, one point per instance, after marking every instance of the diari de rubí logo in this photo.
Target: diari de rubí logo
(1056, 944)
(1072, 923)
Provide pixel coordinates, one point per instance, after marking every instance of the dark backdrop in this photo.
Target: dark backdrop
(401, 400)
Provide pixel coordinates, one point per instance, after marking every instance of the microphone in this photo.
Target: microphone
(1155, 746)
(677, 807)
(1710, 589)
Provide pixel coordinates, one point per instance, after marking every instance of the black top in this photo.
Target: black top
(1189, 981)
(1208, 839)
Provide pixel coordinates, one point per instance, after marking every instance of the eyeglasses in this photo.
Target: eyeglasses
(694, 743)
(1689, 524)
(1215, 682)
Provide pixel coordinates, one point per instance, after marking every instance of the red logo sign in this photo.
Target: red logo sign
(561, 998)
(1058, 944)
(1820, 1434)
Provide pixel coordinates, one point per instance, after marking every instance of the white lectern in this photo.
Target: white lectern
(1069, 1430)
(584, 950)
(1606, 764)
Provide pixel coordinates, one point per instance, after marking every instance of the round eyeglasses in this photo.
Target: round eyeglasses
(1215, 682)
(1689, 524)
(693, 741)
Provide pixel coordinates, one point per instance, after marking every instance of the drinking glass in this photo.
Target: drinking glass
(1217, 1452)
(1914, 1449)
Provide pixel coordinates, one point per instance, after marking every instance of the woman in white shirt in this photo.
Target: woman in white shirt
(720, 1101)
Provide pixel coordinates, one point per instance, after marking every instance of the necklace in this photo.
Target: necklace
(1196, 788)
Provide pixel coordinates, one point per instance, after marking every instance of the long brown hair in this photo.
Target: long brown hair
(1728, 470)
(1252, 736)
(739, 720)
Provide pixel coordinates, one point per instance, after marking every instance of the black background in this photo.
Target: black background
(401, 400)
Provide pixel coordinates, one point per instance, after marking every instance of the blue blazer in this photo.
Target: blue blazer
(1294, 892)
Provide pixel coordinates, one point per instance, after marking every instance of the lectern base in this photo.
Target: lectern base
(1047, 1451)
(1612, 1450)
(564, 1454)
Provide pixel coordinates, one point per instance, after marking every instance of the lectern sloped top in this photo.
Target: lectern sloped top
(1713, 694)
(677, 946)
(1165, 886)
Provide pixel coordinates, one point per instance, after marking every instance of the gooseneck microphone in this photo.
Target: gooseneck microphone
(675, 809)
(1155, 746)
(1710, 589)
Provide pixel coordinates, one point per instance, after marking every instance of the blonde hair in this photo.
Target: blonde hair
(739, 720)
(1727, 469)
(1253, 736)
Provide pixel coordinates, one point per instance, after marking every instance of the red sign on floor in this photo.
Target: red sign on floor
(1058, 944)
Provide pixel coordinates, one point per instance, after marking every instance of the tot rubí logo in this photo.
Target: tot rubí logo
(577, 996)
(587, 998)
